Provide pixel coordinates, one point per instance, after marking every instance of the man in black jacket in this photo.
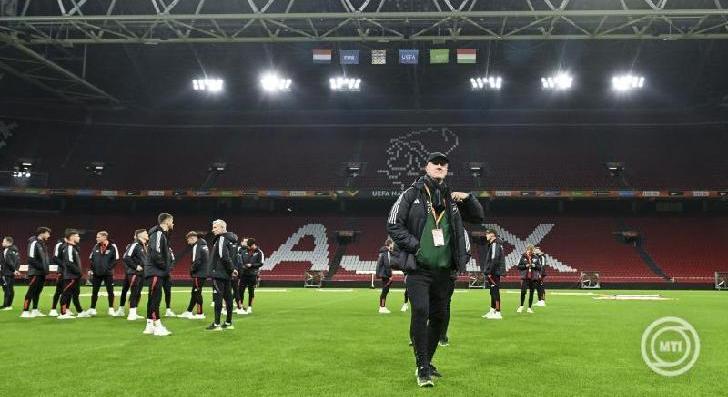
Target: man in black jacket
(155, 270)
(494, 267)
(426, 223)
(221, 271)
(38, 261)
(252, 259)
(136, 257)
(104, 256)
(10, 259)
(57, 259)
(198, 272)
(71, 275)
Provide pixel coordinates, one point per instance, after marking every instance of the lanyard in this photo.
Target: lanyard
(438, 219)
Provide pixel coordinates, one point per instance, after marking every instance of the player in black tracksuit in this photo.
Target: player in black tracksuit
(156, 269)
(104, 256)
(38, 261)
(539, 285)
(494, 267)
(384, 272)
(10, 259)
(167, 287)
(529, 267)
(57, 260)
(198, 272)
(136, 257)
(71, 274)
(252, 260)
(236, 281)
(221, 271)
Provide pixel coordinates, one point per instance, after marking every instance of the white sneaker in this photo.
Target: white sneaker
(495, 316)
(112, 312)
(490, 313)
(149, 330)
(404, 308)
(541, 303)
(187, 315)
(169, 313)
(66, 316)
(120, 312)
(198, 317)
(91, 312)
(7, 308)
(223, 311)
(25, 314)
(520, 309)
(383, 310)
(53, 313)
(85, 314)
(240, 311)
(529, 310)
(250, 309)
(161, 330)
(37, 313)
(134, 317)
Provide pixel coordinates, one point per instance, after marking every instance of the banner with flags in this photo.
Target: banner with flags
(440, 56)
(321, 56)
(379, 57)
(349, 57)
(466, 55)
(409, 56)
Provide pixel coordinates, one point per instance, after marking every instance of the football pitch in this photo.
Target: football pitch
(303, 342)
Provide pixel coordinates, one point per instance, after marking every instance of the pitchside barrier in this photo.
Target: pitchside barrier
(373, 275)
(721, 280)
(476, 280)
(313, 278)
(589, 280)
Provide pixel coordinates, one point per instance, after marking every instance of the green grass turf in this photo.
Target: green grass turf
(310, 342)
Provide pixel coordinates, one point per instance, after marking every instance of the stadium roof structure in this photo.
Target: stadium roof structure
(27, 25)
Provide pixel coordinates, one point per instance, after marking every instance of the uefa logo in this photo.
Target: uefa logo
(670, 346)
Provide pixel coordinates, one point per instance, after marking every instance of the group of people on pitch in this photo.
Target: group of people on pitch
(428, 242)
(149, 259)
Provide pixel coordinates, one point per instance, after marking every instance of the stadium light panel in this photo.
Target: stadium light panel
(560, 81)
(272, 82)
(209, 85)
(490, 83)
(627, 82)
(344, 84)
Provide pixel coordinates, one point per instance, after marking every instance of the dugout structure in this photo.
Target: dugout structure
(589, 280)
(721, 280)
(313, 278)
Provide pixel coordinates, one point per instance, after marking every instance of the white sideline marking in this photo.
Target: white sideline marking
(633, 298)
(461, 291)
(185, 292)
(556, 293)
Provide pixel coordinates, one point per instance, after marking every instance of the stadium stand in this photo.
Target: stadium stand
(295, 244)
(390, 157)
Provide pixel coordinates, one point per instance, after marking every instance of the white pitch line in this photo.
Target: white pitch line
(334, 290)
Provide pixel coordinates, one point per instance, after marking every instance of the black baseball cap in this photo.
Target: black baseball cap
(437, 155)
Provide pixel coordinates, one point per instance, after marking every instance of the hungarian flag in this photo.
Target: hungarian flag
(466, 55)
(440, 56)
(321, 56)
(379, 57)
